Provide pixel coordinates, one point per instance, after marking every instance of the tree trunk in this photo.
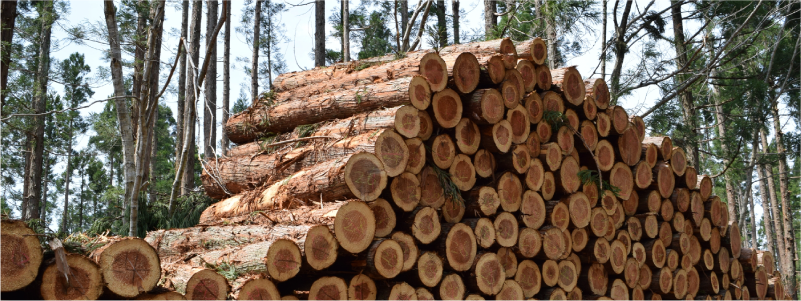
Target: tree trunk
(319, 33)
(620, 50)
(604, 43)
(346, 31)
(404, 12)
(550, 33)
(67, 180)
(442, 24)
(80, 207)
(179, 111)
(140, 44)
(8, 15)
(788, 264)
(210, 107)
(190, 114)
(778, 226)
(721, 121)
(254, 61)
(34, 197)
(490, 19)
(766, 212)
(226, 105)
(455, 11)
(686, 97)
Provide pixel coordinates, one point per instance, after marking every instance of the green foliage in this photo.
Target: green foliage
(589, 177)
(555, 119)
(449, 188)
(227, 270)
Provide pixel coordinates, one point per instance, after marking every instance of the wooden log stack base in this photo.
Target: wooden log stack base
(472, 172)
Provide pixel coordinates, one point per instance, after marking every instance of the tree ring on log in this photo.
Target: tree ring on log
(468, 138)
(433, 67)
(361, 287)
(532, 209)
(443, 151)
(529, 278)
(429, 269)
(207, 284)
(283, 260)
(328, 288)
(320, 247)
(533, 104)
(384, 217)
(447, 107)
(354, 226)
(426, 125)
(431, 192)
(460, 247)
(529, 242)
(510, 192)
(420, 92)
(544, 80)
(462, 172)
(129, 266)
(489, 273)
(406, 192)
(259, 289)
(466, 72)
(484, 163)
(526, 69)
(391, 149)
(518, 119)
(21, 255)
(452, 288)
(85, 280)
(535, 175)
(365, 176)
(407, 121)
(426, 225)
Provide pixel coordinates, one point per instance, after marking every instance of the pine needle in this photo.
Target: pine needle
(450, 190)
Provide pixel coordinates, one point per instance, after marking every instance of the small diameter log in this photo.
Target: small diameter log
(518, 119)
(426, 125)
(405, 191)
(409, 248)
(484, 163)
(361, 287)
(623, 236)
(557, 214)
(320, 247)
(509, 93)
(429, 269)
(589, 137)
(207, 284)
(723, 264)
(544, 79)
(534, 108)
(631, 272)
(443, 151)
(511, 291)
(535, 174)
(21, 255)
(655, 253)
(673, 258)
(646, 276)
(485, 106)
(283, 260)
(382, 260)
(595, 280)
(621, 177)
(603, 124)
(572, 118)
(544, 131)
(483, 229)
(678, 161)
(452, 211)
(487, 274)
(424, 224)
(598, 222)
(434, 69)
(529, 278)
(639, 124)
(634, 228)
(417, 155)
(663, 144)
(643, 175)
(365, 174)
(597, 90)
(619, 120)
(579, 208)
(710, 284)
(258, 289)
(704, 230)
(532, 210)
(550, 273)
(604, 155)
(527, 73)
(462, 172)
(704, 186)
(662, 281)
(650, 225)
(492, 70)
(637, 293)
(420, 92)
(553, 243)
(712, 209)
(681, 242)
(734, 240)
(708, 260)
(649, 154)
(529, 243)
(689, 179)
(463, 71)
(650, 201)
(468, 138)
(452, 288)
(459, 245)
(517, 160)
(666, 211)
(569, 81)
(431, 192)
(331, 288)
(680, 285)
(513, 76)
(630, 206)
(506, 229)
(552, 101)
(663, 180)
(548, 186)
(551, 155)
(665, 233)
(534, 50)
(618, 289)
(568, 275)
(481, 201)
(696, 212)
(510, 192)
(85, 280)
(748, 260)
(131, 279)
(508, 260)
(447, 107)
(617, 257)
(407, 121)
(681, 199)
(497, 138)
(564, 138)
(384, 217)
(354, 226)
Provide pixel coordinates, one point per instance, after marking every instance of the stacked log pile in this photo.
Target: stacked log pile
(470, 173)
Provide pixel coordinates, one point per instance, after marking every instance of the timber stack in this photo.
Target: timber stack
(473, 172)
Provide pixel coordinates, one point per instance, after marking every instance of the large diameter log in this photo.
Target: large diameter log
(329, 288)
(452, 287)
(258, 289)
(282, 117)
(569, 80)
(320, 247)
(629, 148)
(487, 274)
(429, 269)
(462, 172)
(21, 255)
(484, 106)
(283, 260)
(597, 90)
(620, 176)
(129, 266)
(207, 284)
(354, 226)
(463, 71)
(532, 209)
(554, 245)
(85, 280)
(529, 278)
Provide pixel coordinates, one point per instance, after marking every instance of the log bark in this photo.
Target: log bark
(534, 50)
(570, 83)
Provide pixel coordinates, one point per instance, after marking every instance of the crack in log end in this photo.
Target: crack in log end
(205, 289)
(366, 175)
(131, 267)
(285, 262)
(328, 292)
(392, 153)
(320, 248)
(354, 224)
(461, 249)
(389, 259)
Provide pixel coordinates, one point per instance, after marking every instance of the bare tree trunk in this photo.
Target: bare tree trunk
(774, 202)
(8, 15)
(80, 198)
(139, 60)
(620, 49)
(345, 31)
(603, 45)
(550, 32)
(210, 107)
(490, 19)
(455, 10)
(789, 269)
(179, 112)
(319, 33)
(766, 212)
(34, 197)
(269, 45)
(254, 61)
(404, 12)
(224, 142)
(442, 24)
(67, 180)
(191, 112)
(686, 97)
(749, 196)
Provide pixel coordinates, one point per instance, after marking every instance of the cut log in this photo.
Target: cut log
(510, 192)
(518, 119)
(665, 233)
(572, 118)
(364, 174)
(258, 289)
(485, 106)
(544, 80)
(630, 206)
(532, 209)
(689, 179)
(462, 172)
(639, 124)
(463, 71)
(420, 92)
(579, 207)
(434, 69)
(663, 144)
(629, 148)
(21, 255)
(129, 266)
(405, 191)
(696, 212)
(534, 50)
(568, 79)
(452, 211)
(650, 201)
(631, 272)
(680, 285)
(382, 260)
(508, 260)
(649, 154)
(517, 160)
(595, 280)
(487, 274)
(443, 151)
(481, 201)
(535, 174)
(552, 101)
(598, 222)
(483, 229)
(417, 155)
(361, 287)
(484, 163)
(529, 278)
(391, 149)
(533, 104)
(320, 247)
(712, 209)
(603, 124)
(678, 161)
(283, 260)
(623, 236)
(459, 245)
(543, 131)
(452, 288)
(329, 288)
(551, 154)
(498, 137)
(526, 69)
(557, 214)
(618, 290)
(429, 269)
(655, 253)
(506, 229)
(510, 291)
(710, 284)
(468, 138)
(568, 277)
(564, 138)
(663, 180)
(548, 186)
(733, 241)
(604, 155)
(666, 211)
(424, 224)
(354, 226)
(426, 125)
(617, 257)
(662, 281)
(634, 228)
(588, 137)
(619, 119)
(447, 107)
(384, 217)
(550, 273)
(492, 69)
(620, 176)
(407, 121)
(553, 243)
(529, 243)
(509, 93)
(515, 78)
(705, 186)
(672, 260)
(85, 280)
(207, 284)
